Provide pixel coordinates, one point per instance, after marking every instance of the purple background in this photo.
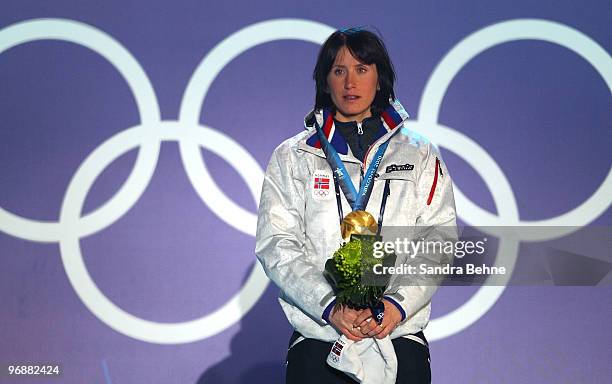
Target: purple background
(541, 111)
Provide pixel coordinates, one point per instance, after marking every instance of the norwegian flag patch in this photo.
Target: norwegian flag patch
(322, 182)
(337, 348)
(334, 358)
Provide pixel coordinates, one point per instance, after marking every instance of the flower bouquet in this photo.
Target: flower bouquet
(350, 272)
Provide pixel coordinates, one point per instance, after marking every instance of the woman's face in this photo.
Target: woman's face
(352, 86)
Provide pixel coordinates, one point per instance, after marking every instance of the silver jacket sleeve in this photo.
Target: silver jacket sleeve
(435, 222)
(280, 237)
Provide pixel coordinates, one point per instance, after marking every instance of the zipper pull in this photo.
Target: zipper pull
(359, 129)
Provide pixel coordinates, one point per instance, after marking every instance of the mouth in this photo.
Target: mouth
(351, 97)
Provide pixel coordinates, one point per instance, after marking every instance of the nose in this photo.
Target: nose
(349, 80)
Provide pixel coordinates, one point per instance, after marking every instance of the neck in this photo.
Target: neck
(357, 118)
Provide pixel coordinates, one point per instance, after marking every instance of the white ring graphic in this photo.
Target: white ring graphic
(134, 75)
(488, 169)
(465, 51)
(148, 136)
(90, 294)
(193, 99)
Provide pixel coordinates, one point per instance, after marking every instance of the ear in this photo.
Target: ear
(378, 87)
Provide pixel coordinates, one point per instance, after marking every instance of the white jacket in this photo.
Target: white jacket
(298, 223)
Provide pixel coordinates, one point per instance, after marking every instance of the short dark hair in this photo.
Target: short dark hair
(366, 47)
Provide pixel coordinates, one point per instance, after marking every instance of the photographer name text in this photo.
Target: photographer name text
(427, 269)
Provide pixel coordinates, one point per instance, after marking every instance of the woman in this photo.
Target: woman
(356, 116)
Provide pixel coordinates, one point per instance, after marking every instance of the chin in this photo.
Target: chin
(353, 112)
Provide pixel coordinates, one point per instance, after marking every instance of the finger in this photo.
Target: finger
(365, 331)
(367, 322)
(362, 317)
(368, 325)
(376, 330)
(350, 336)
(373, 329)
(356, 332)
(349, 316)
(382, 334)
(387, 329)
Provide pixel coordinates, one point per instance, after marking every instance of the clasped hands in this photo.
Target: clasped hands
(359, 324)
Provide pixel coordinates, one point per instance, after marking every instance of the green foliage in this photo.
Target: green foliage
(346, 270)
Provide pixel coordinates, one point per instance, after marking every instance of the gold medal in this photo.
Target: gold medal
(358, 223)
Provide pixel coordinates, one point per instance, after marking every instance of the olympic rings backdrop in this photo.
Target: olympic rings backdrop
(134, 136)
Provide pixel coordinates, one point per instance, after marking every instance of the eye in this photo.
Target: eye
(362, 69)
(338, 71)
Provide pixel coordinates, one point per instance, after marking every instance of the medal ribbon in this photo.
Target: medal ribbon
(358, 200)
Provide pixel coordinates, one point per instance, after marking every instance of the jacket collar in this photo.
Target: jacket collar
(392, 117)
